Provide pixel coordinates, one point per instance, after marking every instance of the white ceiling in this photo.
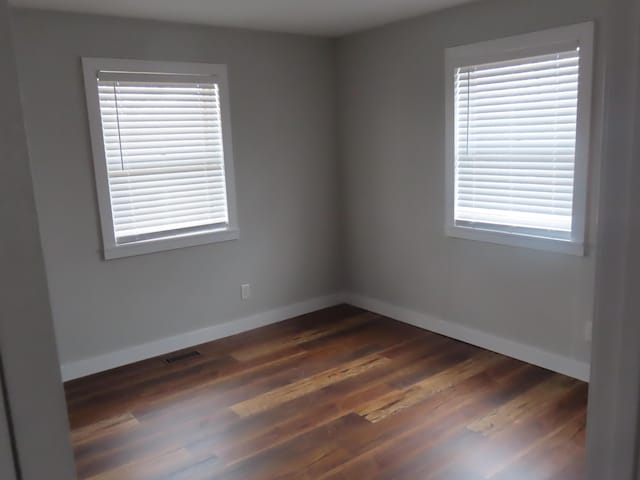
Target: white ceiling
(318, 17)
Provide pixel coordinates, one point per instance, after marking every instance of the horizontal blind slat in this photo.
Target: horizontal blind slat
(514, 207)
(155, 184)
(170, 204)
(519, 131)
(552, 201)
(561, 192)
(135, 232)
(532, 63)
(520, 109)
(519, 141)
(130, 126)
(159, 151)
(521, 86)
(135, 214)
(108, 87)
(200, 158)
(538, 78)
(498, 121)
(548, 221)
(169, 220)
(160, 132)
(160, 117)
(529, 85)
(516, 165)
(115, 165)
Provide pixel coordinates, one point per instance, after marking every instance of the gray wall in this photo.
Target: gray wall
(28, 356)
(391, 100)
(613, 440)
(282, 94)
(340, 182)
(7, 461)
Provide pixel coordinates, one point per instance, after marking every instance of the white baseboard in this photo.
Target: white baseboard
(511, 348)
(81, 368)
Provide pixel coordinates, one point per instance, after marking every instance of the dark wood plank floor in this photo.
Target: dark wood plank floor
(337, 394)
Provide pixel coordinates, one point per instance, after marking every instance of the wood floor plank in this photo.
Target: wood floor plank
(168, 422)
(148, 467)
(251, 352)
(104, 427)
(308, 385)
(394, 402)
(419, 431)
(524, 435)
(526, 405)
(477, 454)
(547, 456)
(320, 407)
(301, 456)
(338, 394)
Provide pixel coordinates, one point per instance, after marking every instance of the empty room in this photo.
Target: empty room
(358, 239)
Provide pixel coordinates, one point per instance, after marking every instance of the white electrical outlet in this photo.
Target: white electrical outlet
(246, 291)
(588, 327)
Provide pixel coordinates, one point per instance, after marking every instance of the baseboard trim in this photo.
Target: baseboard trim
(99, 363)
(511, 348)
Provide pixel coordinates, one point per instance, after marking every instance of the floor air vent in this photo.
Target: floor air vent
(181, 356)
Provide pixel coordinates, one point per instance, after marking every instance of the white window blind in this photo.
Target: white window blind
(515, 143)
(164, 153)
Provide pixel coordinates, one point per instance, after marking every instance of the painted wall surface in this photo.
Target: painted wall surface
(613, 422)
(7, 462)
(391, 112)
(28, 357)
(339, 151)
(282, 115)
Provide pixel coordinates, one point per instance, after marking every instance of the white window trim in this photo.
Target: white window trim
(91, 67)
(526, 45)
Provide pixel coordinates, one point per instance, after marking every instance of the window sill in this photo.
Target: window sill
(517, 240)
(170, 243)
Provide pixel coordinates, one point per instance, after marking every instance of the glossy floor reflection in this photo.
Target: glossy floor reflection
(338, 394)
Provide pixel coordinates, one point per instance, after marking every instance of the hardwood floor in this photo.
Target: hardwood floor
(337, 394)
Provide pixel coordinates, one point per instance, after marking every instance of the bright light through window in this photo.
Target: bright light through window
(517, 139)
(162, 154)
(515, 143)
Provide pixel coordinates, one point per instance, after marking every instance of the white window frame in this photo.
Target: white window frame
(91, 67)
(522, 46)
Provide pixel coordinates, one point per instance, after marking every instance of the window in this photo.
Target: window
(518, 115)
(162, 153)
